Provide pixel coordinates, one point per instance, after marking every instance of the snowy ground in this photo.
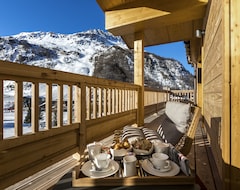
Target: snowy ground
(8, 124)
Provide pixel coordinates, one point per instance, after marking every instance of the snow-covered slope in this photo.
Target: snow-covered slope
(70, 52)
(94, 52)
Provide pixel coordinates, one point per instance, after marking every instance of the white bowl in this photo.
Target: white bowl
(143, 152)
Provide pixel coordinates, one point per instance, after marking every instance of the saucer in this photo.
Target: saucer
(88, 171)
(102, 170)
(148, 167)
(163, 169)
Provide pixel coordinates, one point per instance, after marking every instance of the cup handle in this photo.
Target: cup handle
(95, 165)
(167, 164)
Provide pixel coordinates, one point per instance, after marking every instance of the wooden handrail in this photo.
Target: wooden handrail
(189, 137)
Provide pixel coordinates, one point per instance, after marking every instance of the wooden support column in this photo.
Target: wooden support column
(139, 74)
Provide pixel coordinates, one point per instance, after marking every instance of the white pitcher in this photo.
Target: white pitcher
(129, 166)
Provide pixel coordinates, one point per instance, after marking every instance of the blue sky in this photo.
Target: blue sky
(67, 17)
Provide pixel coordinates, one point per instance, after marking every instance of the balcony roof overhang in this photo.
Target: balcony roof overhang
(161, 21)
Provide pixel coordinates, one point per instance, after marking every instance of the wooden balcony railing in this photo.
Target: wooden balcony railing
(54, 114)
(182, 95)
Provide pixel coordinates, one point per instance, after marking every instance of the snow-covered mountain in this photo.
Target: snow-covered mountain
(94, 53)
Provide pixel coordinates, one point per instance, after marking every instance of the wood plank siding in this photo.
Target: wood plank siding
(213, 78)
(220, 64)
(232, 59)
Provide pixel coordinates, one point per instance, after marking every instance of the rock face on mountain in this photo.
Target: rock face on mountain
(94, 53)
(117, 63)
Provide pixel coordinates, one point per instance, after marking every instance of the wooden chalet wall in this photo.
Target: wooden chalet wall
(221, 86)
(212, 75)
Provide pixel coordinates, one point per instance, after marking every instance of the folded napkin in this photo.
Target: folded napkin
(130, 132)
(150, 134)
(181, 160)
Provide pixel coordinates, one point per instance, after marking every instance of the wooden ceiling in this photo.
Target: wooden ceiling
(161, 21)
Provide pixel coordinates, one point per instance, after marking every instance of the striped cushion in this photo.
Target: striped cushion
(168, 131)
(150, 134)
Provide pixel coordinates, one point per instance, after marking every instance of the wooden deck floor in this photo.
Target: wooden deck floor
(201, 151)
(203, 165)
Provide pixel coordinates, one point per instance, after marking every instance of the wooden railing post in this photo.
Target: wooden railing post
(35, 107)
(60, 105)
(69, 105)
(18, 108)
(82, 108)
(48, 105)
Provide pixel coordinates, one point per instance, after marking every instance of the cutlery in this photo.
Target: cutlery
(140, 172)
(149, 161)
(144, 174)
(120, 169)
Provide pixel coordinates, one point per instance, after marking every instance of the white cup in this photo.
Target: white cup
(94, 149)
(160, 146)
(160, 161)
(102, 160)
(129, 165)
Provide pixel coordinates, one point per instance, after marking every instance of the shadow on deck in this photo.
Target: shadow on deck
(205, 177)
(206, 168)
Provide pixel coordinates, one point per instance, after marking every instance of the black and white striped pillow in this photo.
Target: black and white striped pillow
(168, 131)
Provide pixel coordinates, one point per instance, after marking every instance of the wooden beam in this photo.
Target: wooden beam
(106, 5)
(144, 18)
(139, 74)
(130, 16)
(161, 34)
(170, 5)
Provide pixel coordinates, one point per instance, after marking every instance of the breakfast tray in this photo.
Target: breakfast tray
(142, 178)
